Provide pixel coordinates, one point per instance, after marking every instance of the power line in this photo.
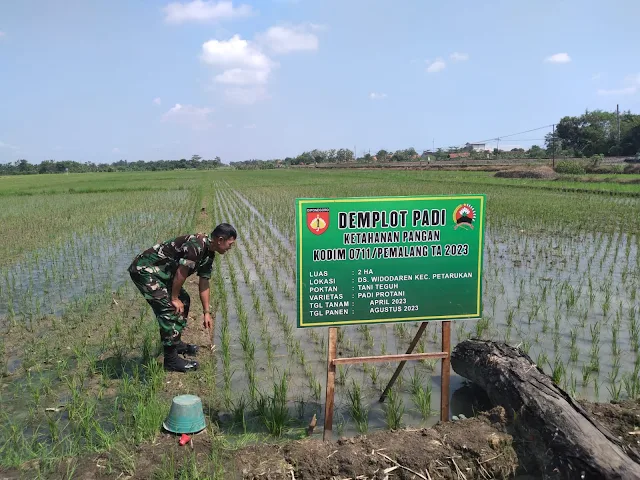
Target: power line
(513, 134)
(522, 139)
(504, 136)
(499, 138)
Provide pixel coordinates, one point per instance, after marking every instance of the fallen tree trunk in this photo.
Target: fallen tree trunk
(562, 437)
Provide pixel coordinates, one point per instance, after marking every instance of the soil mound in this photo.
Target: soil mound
(471, 447)
(542, 172)
(622, 419)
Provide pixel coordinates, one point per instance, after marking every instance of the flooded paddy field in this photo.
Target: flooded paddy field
(561, 278)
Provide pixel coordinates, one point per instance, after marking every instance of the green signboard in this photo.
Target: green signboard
(389, 259)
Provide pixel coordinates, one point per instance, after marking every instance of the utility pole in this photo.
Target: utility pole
(553, 146)
(618, 119)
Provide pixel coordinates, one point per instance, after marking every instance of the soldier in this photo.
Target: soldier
(160, 272)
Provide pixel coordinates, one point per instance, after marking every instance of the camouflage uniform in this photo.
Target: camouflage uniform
(153, 271)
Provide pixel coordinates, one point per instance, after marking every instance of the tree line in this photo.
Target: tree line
(23, 167)
(593, 134)
(596, 133)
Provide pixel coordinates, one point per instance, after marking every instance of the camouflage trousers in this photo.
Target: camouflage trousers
(157, 294)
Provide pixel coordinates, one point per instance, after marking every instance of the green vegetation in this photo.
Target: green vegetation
(78, 353)
(23, 167)
(571, 167)
(595, 133)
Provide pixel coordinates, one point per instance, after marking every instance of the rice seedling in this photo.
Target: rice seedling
(341, 377)
(393, 410)
(358, 411)
(422, 400)
(417, 380)
(238, 413)
(575, 289)
(275, 411)
(557, 370)
(374, 374)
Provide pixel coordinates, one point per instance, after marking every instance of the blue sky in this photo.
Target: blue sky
(116, 79)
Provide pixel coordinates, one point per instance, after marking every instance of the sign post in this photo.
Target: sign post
(386, 260)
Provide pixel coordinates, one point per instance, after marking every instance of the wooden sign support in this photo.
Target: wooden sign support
(332, 361)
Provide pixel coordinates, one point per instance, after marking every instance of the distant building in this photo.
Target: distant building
(477, 147)
(458, 155)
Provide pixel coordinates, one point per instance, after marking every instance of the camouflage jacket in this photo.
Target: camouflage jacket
(162, 260)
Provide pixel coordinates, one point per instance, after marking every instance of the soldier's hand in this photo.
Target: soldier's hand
(178, 305)
(206, 322)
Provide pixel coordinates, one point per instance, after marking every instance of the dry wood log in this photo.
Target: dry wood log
(562, 438)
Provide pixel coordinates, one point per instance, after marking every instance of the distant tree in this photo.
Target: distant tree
(630, 139)
(319, 156)
(382, 155)
(552, 142)
(536, 152)
(344, 155)
(596, 132)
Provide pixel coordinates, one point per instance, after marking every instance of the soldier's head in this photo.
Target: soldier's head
(223, 237)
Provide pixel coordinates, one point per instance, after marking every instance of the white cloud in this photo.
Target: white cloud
(596, 76)
(244, 66)
(115, 150)
(436, 65)
(377, 96)
(242, 61)
(194, 117)
(204, 11)
(459, 57)
(233, 52)
(229, 125)
(157, 101)
(246, 69)
(558, 58)
(2, 34)
(250, 126)
(281, 39)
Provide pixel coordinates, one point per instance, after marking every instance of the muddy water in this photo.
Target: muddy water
(386, 338)
(52, 278)
(569, 300)
(274, 229)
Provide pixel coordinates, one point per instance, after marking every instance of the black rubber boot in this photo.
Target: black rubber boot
(186, 348)
(175, 363)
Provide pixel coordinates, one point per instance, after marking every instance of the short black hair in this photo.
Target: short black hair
(225, 231)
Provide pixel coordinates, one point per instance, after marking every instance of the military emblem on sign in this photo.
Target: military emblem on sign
(464, 216)
(318, 220)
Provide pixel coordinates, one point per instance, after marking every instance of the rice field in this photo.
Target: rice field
(79, 371)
